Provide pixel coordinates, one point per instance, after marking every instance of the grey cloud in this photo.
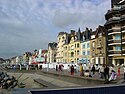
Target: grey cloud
(87, 15)
(63, 19)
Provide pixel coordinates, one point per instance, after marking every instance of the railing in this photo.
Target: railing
(114, 41)
(114, 29)
(115, 52)
(123, 51)
(114, 18)
(123, 6)
(123, 16)
(123, 40)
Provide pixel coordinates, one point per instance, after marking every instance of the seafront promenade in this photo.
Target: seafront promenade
(50, 78)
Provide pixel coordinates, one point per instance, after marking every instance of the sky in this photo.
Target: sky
(26, 25)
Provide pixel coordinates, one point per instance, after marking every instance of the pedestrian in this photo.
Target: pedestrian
(106, 73)
(111, 68)
(72, 70)
(124, 72)
(119, 72)
(56, 67)
(101, 71)
(93, 70)
(113, 76)
(81, 70)
(40, 67)
(60, 68)
(75, 69)
(69, 68)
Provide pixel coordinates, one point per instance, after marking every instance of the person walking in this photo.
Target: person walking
(75, 69)
(124, 72)
(106, 72)
(69, 69)
(93, 70)
(72, 70)
(56, 67)
(81, 70)
(101, 71)
(119, 72)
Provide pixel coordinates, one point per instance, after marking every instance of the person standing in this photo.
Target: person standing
(93, 70)
(119, 72)
(101, 71)
(56, 67)
(81, 70)
(72, 70)
(106, 72)
(75, 69)
(124, 72)
(69, 69)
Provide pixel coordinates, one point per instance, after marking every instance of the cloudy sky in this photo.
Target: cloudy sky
(26, 25)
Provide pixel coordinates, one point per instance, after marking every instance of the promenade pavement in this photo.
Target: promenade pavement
(77, 74)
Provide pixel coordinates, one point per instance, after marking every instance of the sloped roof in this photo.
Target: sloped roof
(100, 29)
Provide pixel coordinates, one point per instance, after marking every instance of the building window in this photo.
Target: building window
(84, 53)
(88, 52)
(77, 45)
(118, 48)
(117, 37)
(72, 54)
(66, 48)
(77, 59)
(83, 46)
(77, 52)
(88, 45)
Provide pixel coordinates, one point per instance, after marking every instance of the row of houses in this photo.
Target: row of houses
(35, 57)
(79, 47)
(104, 45)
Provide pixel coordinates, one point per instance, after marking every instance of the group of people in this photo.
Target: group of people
(59, 67)
(72, 69)
(103, 71)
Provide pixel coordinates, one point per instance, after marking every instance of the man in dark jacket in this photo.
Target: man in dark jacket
(106, 72)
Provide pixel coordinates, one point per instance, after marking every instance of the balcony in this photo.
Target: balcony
(123, 51)
(117, 29)
(114, 42)
(113, 33)
(123, 29)
(115, 52)
(123, 41)
(122, 18)
(122, 8)
(111, 12)
(113, 20)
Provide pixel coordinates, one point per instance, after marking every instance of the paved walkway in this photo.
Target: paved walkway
(30, 80)
(65, 72)
(96, 76)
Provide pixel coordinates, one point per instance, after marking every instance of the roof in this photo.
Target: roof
(100, 29)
